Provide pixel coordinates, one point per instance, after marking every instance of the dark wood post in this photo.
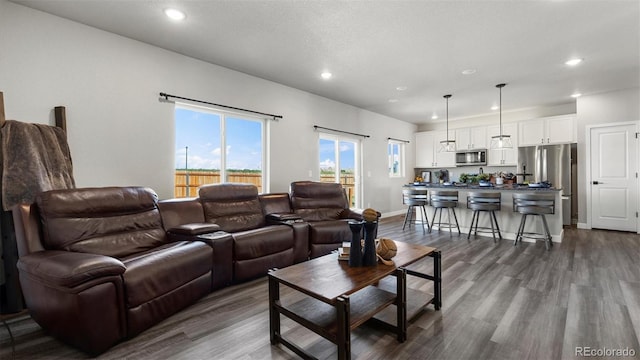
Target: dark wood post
(2, 118)
(60, 113)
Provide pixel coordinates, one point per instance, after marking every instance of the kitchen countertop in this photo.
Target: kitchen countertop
(478, 187)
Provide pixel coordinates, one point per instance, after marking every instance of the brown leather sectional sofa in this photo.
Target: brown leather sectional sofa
(99, 265)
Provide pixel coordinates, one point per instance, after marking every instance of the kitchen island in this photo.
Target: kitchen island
(508, 220)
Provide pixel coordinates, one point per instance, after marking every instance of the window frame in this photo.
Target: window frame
(223, 115)
(401, 158)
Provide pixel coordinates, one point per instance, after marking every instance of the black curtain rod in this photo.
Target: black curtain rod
(340, 131)
(404, 141)
(167, 96)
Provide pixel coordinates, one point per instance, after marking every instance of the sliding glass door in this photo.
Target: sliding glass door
(340, 163)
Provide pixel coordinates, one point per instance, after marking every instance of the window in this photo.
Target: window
(201, 136)
(396, 158)
(339, 163)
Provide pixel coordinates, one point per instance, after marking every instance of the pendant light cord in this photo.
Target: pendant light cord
(501, 113)
(500, 86)
(447, 97)
(447, 119)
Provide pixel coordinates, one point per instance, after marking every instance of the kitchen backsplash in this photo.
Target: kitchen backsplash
(454, 173)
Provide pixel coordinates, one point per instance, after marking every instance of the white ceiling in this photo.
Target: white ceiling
(372, 47)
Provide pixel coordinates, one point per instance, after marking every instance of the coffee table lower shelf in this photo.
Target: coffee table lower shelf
(335, 320)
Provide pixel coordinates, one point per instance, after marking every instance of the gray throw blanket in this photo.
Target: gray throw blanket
(35, 158)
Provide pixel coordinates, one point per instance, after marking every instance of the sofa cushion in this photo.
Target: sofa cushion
(164, 269)
(317, 201)
(234, 207)
(257, 243)
(112, 221)
(329, 232)
(252, 268)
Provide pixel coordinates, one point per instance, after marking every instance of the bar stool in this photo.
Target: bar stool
(444, 199)
(488, 202)
(534, 204)
(415, 198)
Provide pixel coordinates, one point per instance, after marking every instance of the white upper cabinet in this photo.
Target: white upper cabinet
(551, 130)
(561, 130)
(425, 155)
(427, 145)
(471, 138)
(506, 157)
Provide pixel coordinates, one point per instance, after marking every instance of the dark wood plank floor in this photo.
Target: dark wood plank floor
(499, 302)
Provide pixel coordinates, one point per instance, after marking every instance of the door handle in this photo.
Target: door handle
(596, 182)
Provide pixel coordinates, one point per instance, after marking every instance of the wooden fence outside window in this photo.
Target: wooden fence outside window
(203, 177)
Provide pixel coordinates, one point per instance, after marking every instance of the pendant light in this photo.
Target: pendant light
(502, 141)
(447, 145)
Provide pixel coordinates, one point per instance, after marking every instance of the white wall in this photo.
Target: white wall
(612, 107)
(121, 134)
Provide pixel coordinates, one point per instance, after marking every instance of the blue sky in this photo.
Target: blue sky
(328, 157)
(200, 131)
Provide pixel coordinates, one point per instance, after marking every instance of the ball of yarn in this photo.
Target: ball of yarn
(370, 215)
(386, 248)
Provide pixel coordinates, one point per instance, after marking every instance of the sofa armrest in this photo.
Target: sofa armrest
(222, 244)
(26, 223)
(194, 229)
(283, 218)
(355, 214)
(68, 269)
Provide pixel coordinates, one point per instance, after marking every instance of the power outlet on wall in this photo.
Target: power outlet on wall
(310, 173)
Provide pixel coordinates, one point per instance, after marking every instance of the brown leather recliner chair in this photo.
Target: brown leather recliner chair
(96, 266)
(326, 208)
(257, 246)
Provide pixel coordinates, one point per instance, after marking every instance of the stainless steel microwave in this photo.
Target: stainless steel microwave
(471, 157)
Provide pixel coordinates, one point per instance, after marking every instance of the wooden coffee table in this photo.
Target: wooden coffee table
(341, 298)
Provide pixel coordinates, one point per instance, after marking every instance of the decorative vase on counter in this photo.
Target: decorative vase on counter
(355, 253)
(369, 257)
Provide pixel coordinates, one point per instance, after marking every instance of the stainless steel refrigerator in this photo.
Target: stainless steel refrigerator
(552, 164)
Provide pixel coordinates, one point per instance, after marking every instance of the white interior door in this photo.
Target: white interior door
(614, 167)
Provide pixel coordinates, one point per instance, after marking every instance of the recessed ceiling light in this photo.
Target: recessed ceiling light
(175, 14)
(393, 100)
(576, 95)
(401, 88)
(434, 116)
(468, 71)
(573, 62)
(495, 107)
(326, 75)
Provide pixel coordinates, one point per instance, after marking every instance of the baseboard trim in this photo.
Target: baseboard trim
(393, 213)
(583, 226)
